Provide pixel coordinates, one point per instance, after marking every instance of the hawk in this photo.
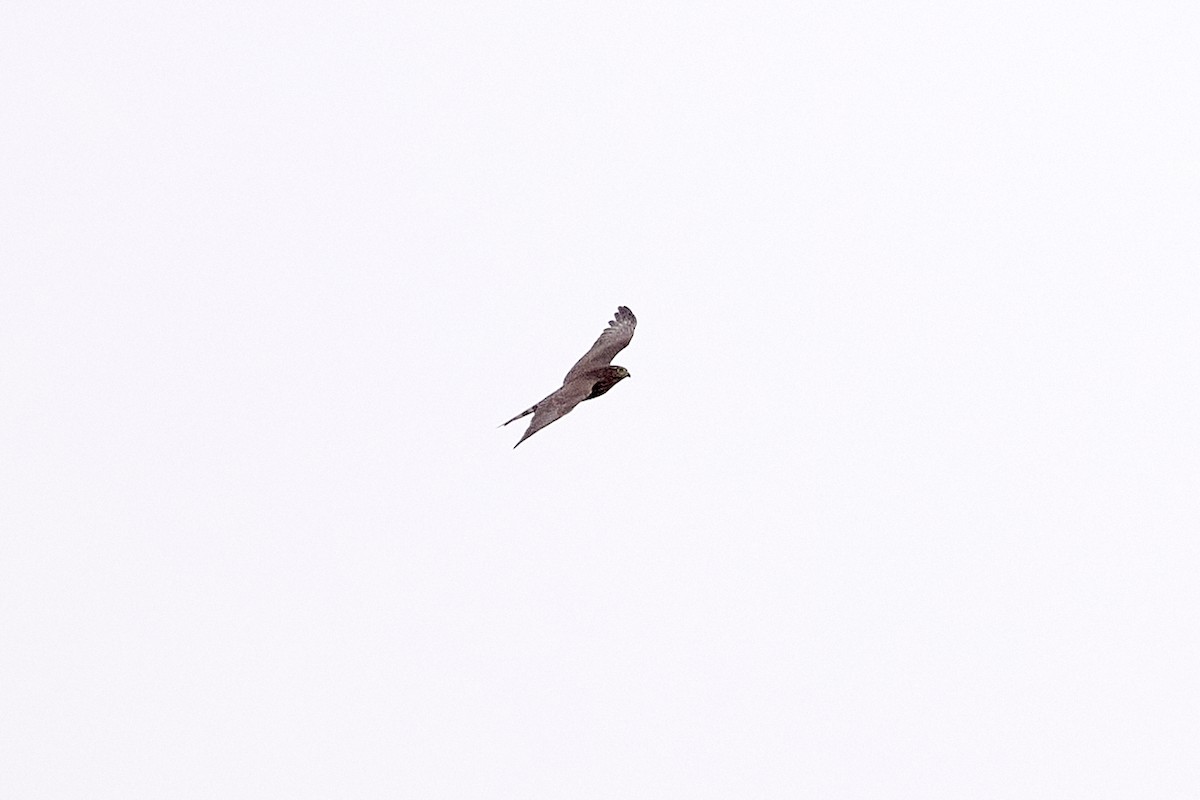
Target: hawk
(592, 376)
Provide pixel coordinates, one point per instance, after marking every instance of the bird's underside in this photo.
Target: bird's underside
(592, 376)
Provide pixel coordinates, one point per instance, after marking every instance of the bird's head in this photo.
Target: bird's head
(621, 372)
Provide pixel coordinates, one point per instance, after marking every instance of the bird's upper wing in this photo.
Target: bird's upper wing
(618, 334)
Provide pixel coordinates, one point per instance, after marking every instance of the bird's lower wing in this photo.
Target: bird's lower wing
(555, 406)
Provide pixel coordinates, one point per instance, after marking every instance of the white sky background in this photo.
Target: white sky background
(900, 501)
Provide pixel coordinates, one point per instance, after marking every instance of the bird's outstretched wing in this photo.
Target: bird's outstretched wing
(557, 405)
(614, 339)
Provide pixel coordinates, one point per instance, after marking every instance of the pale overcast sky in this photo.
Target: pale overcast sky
(901, 500)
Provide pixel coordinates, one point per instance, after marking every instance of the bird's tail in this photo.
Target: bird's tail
(526, 412)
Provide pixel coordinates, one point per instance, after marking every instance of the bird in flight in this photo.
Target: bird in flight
(592, 376)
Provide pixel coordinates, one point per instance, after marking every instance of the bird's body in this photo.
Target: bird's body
(592, 376)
